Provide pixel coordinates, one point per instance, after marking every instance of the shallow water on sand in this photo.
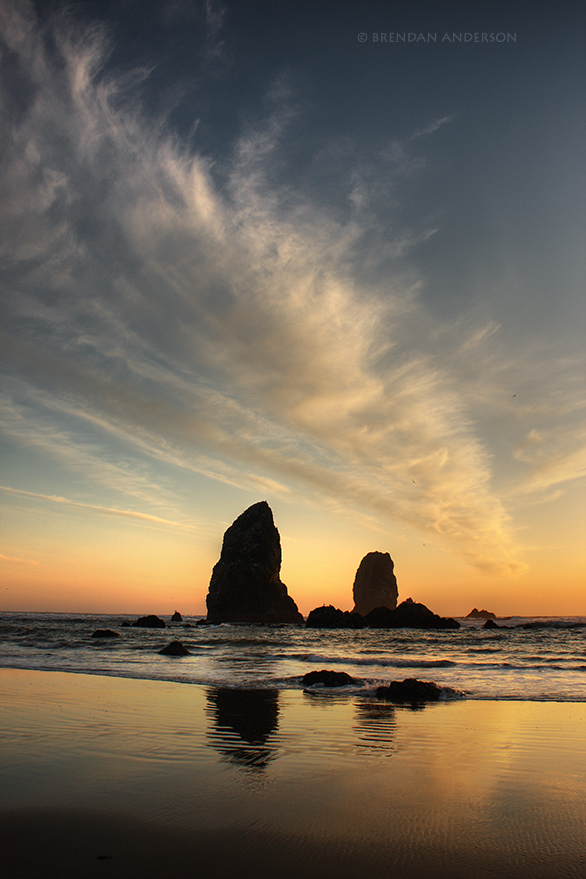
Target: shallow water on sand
(492, 788)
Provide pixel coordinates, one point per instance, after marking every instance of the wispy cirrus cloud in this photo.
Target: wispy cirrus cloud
(228, 329)
(96, 508)
(16, 560)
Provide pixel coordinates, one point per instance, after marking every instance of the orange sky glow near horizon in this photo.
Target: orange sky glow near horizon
(90, 563)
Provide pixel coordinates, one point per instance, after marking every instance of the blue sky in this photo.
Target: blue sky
(247, 254)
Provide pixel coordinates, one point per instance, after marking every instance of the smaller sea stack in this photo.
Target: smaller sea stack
(375, 584)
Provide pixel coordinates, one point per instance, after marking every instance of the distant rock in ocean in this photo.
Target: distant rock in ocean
(245, 586)
(105, 633)
(150, 622)
(375, 584)
(176, 618)
(476, 614)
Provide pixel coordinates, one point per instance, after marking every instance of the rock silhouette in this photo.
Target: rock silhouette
(149, 622)
(330, 617)
(176, 618)
(410, 690)
(375, 584)
(408, 615)
(245, 586)
(476, 614)
(328, 678)
(175, 648)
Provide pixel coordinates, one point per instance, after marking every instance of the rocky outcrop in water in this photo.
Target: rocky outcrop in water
(150, 622)
(245, 586)
(330, 617)
(327, 678)
(413, 691)
(375, 584)
(476, 614)
(176, 618)
(408, 615)
(175, 648)
(105, 633)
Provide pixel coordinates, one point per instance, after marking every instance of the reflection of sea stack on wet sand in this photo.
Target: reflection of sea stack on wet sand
(243, 723)
(245, 586)
(375, 584)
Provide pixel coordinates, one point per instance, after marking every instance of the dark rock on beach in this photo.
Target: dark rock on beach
(328, 678)
(408, 615)
(329, 617)
(150, 622)
(410, 690)
(476, 614)
(175, 648)
(375, 584)
(105, 633)
(245, 586)
(176, 618)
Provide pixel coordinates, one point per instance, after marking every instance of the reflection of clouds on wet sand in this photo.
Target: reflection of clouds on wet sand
(242, 724)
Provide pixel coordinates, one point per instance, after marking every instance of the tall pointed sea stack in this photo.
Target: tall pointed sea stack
(375, 584)
(245, 586)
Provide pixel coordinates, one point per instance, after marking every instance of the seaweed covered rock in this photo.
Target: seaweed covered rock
(329, 617)
(375, 584)
(245, 586)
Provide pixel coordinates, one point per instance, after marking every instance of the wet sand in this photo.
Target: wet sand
(119, 778)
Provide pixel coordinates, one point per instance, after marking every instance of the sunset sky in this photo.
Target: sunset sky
(268, 251)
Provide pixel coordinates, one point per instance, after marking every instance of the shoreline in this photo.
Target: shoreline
(159, 778)
(348, 692)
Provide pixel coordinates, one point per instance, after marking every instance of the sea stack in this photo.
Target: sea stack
(245, 586)
(375, 584)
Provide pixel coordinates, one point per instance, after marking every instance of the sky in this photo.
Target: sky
(324, 254)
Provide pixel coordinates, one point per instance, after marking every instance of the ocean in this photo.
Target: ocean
(526, 659)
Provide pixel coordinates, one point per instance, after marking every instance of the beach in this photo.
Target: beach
(103, 776)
